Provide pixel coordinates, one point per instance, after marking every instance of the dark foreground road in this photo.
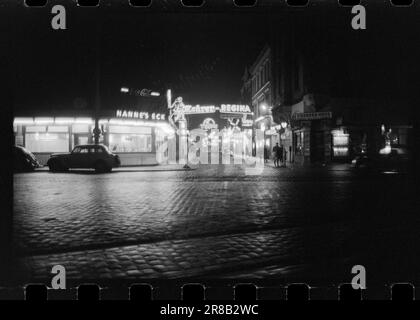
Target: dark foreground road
(295, 224)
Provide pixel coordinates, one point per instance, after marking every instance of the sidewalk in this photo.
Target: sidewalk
(168, 167)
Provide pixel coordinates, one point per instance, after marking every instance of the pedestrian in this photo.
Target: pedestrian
(276, 155)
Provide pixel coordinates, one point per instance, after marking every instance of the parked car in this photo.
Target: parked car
(397, 159)
(24, 160)
(91, 156)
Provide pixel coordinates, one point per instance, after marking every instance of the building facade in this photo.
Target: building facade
(316, 125)
(266, 97)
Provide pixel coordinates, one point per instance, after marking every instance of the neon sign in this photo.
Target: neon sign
(208, 124)
(235, 108)
(189, 109)
(224, 108)
(139, 115)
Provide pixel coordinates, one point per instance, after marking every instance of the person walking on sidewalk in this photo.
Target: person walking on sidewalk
(277, 154)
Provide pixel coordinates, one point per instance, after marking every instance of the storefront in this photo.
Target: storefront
(312, 137)
(134, 136)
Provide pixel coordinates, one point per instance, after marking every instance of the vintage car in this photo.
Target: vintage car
(24, 160)
(90, 156)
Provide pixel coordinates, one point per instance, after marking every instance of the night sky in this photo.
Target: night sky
(201, 57)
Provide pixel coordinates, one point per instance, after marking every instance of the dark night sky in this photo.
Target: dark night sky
(199, 56)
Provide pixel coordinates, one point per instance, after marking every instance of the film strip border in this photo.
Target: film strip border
(196, 293)
(203, 3)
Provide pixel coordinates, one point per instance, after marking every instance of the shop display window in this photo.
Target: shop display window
(340, 143)
(120, 142)
(47, 142)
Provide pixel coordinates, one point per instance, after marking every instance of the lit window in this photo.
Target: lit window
(47, 142)
(130, 142)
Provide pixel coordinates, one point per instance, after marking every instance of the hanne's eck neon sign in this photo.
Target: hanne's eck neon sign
(139, 115)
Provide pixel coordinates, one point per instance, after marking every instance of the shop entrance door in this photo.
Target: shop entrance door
(317, 146)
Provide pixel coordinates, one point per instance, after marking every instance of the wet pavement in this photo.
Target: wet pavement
(294, 223)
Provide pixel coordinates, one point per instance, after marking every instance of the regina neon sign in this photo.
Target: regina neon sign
(224, 108)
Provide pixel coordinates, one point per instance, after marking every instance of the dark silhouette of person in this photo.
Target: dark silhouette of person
(277, 152)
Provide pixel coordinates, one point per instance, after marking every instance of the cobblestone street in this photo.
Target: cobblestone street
(215, 221)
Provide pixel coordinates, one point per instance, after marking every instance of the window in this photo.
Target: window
(119, 142)
(47, 142)
(340, 143)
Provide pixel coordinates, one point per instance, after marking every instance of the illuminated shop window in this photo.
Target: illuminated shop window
(299, 138)
(340, 143)
(120, 142)
(47, 142)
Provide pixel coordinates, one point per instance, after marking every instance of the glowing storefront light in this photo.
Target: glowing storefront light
(83, 121)
(63, 120)
(44, 120)
(19, 121)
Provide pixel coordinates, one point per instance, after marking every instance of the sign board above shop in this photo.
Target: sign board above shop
(224, 108)
(129, 114)
(312, 115)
